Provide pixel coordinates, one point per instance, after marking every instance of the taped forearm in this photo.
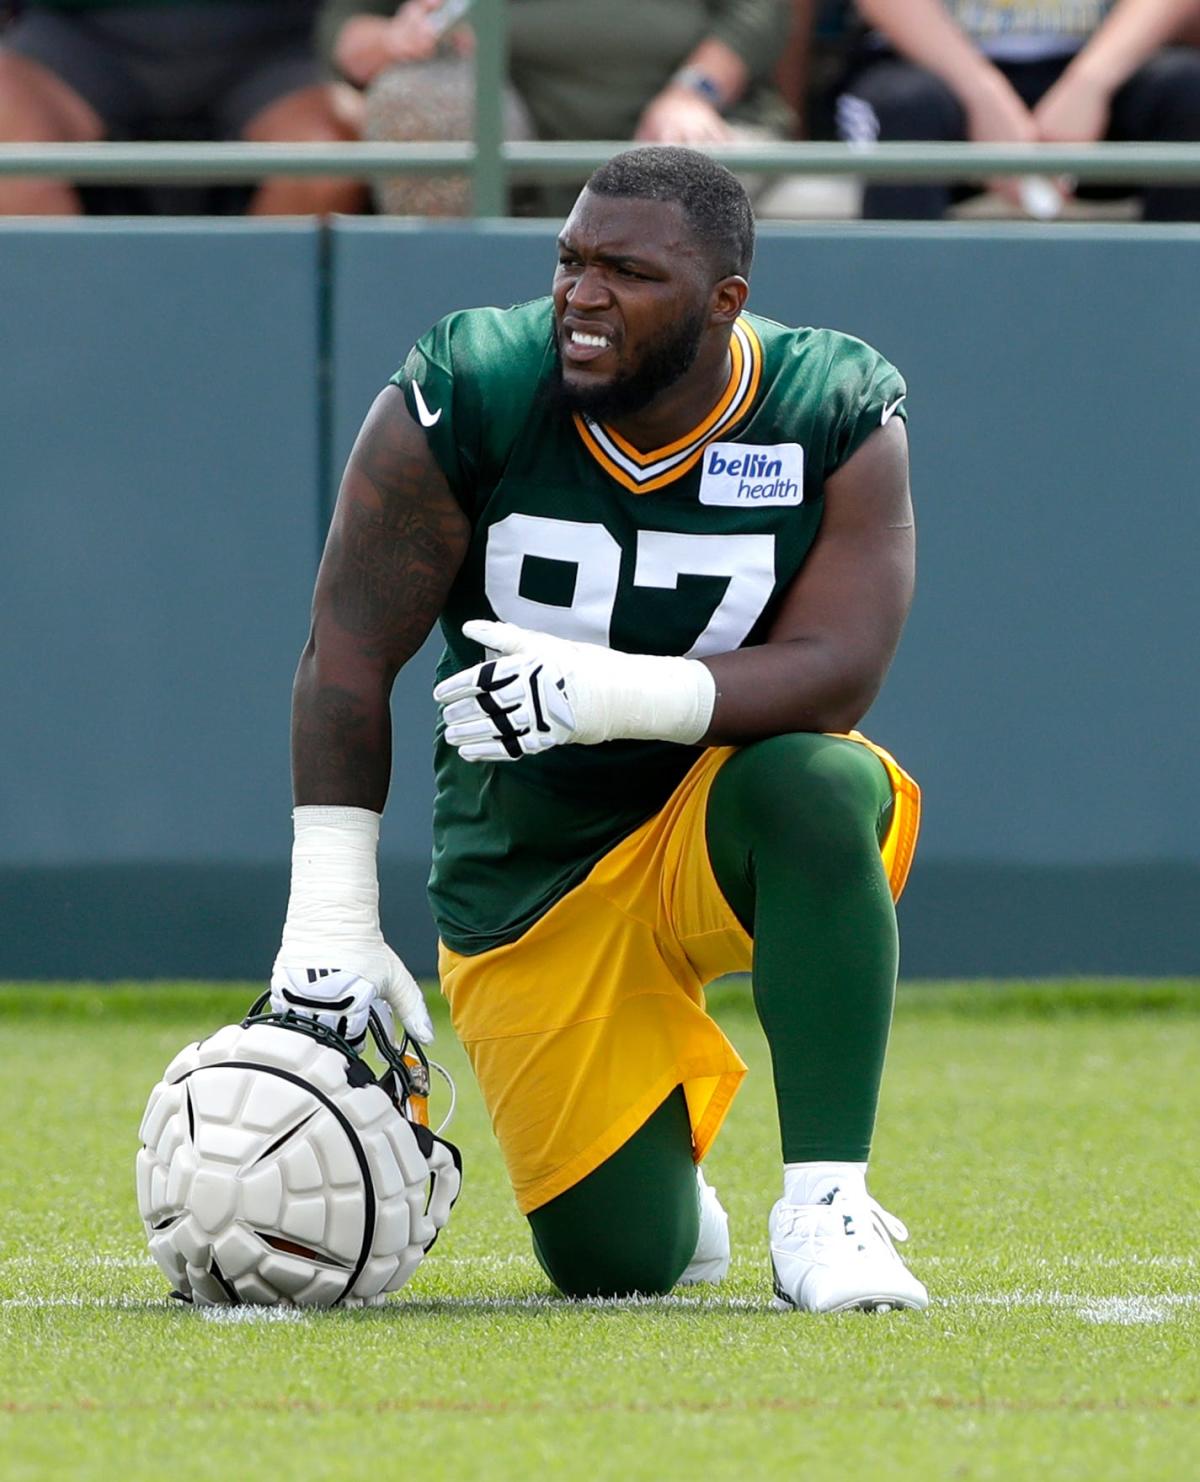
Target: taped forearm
(540, 691)
(332, 959)
(643, 697)
(335, 879)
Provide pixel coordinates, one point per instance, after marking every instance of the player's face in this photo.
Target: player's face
(632, 299)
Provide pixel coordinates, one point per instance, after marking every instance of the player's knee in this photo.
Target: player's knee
(631, 1226)
(818, 792)
(600, 1263)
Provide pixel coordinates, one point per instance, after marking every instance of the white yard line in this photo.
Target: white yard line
(1090, 1308)
(89, 1262)
(87, 1304)
(1064, 1263)
(494, 1262)
(254, 1314)
(1124, 1310)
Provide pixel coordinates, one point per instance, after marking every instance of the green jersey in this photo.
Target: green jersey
(686, 549)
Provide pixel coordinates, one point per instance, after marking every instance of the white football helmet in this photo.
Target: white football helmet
(278, 1168)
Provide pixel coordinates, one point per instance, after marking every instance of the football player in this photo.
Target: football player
(670, 546)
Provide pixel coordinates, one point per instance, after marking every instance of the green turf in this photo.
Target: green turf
(1039, 1140)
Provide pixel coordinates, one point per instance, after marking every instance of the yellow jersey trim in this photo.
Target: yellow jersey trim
(641, 473)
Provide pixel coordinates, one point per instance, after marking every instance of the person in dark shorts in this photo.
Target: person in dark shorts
(80, 71)
(1024, 72)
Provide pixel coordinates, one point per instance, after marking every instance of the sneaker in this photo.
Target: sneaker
(838, 1255)
(711, 1259)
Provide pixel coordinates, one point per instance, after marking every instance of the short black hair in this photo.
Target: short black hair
(713, 198)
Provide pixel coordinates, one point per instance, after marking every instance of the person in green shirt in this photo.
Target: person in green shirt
(691, 72)
(670, 546)
(79, 71)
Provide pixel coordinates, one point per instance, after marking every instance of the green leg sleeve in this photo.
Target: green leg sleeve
(631, 1225)
(793, 827)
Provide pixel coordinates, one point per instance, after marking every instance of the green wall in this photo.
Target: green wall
(180, 398)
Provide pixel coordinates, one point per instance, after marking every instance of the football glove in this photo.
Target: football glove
(540, 691)
(333, 962)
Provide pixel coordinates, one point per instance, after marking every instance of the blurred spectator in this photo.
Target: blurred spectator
(85, 70)
(813, 62)
(666, 71)
(1023, 71)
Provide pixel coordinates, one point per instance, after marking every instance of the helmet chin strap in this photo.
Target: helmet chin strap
(408, 1065)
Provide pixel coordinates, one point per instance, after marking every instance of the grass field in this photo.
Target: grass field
(1040, 1140)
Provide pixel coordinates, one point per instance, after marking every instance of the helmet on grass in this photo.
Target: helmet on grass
(277, 1166)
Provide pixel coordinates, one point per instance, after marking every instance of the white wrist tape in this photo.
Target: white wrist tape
(642, 697)
(333, 921)
(536, 690)
(335, 879)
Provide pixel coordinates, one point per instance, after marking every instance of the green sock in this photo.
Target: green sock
(794, 825)
(631, 1225)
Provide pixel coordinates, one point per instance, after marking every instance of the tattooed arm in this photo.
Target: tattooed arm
(394, 548)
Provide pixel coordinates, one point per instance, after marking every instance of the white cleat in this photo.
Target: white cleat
(711, 1259)
(838, 1255)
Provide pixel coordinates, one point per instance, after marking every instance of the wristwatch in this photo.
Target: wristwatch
(696, 80)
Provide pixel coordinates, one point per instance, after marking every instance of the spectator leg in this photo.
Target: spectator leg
(325, 114)
(892, 100)
(36, 107)
(1161, 103)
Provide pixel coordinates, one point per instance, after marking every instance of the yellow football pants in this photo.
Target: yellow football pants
(582, 1027)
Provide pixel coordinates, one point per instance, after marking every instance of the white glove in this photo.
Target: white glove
(342, 1000)
(333, 960)
(544, 691)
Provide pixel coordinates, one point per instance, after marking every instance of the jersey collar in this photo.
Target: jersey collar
(641, 473)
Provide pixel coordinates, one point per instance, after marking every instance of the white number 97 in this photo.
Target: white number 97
(662, 557)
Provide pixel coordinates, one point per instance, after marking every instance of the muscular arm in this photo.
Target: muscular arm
(834, 637)
(395, 545)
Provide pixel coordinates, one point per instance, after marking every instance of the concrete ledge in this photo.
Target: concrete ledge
(222, 921)
(973, 919)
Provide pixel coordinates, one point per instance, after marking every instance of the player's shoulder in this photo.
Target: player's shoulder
(824, 388)
(470, 382)
(809, 350)
(491, 344)
(827, 370)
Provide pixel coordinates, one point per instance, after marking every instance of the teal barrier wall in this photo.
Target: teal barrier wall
(175, 461)
(158, 523)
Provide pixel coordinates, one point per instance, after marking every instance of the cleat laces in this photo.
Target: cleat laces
(805, 1220)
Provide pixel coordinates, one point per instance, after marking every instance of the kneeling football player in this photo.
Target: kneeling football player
(670, 546)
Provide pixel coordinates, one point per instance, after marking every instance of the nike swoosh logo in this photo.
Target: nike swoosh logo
(424, 415)
(883, 421)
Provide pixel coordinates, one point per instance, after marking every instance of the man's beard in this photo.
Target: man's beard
(664, 362)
